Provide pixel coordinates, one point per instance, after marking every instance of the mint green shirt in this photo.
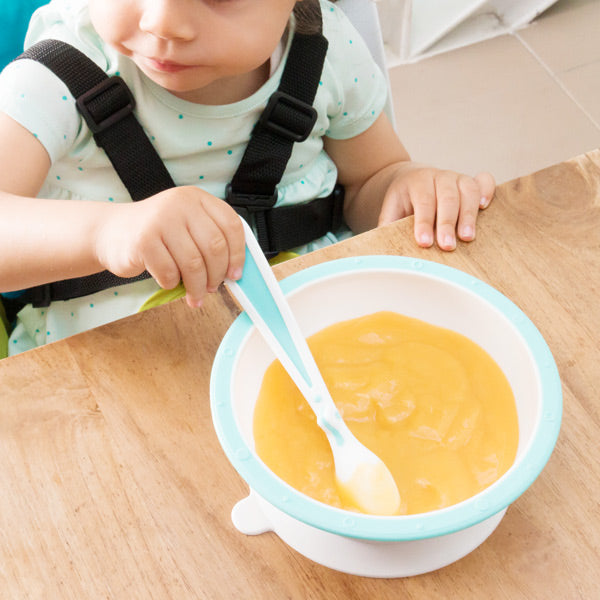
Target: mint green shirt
(201, 145)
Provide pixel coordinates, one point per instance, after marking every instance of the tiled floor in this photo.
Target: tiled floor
(510, 105)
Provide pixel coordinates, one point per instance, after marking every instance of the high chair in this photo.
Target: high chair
(14, 16)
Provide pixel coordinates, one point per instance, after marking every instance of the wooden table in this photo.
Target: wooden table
(113, 484)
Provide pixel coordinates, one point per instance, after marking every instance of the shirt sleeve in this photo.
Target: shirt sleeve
(359, 88)
(39, 101)
(32, 95)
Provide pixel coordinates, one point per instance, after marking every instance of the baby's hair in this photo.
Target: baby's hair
(307, 16)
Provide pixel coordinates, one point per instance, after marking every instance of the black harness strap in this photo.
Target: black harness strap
(289, 117)
(287, 226)
(107, 105)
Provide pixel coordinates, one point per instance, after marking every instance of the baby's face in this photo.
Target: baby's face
(190, 46)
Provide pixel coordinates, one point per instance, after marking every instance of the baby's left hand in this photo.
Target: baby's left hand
(446, 200)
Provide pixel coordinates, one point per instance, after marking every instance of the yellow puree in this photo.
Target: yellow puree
(430, 403)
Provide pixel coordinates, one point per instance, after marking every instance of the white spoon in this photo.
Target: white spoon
(362, 477)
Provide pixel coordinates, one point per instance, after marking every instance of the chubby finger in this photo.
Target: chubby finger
(448, 205)
(470, 200)
(424, 206)
(487, 188)
(207, 257)
(192, 267)
(232, 230)
(161, 265)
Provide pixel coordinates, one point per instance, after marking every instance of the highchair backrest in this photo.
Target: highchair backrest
(14, 16)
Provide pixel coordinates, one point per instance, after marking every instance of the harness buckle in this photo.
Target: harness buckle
(101, 113)
(246, 204)
(288, 117)
(254, 209)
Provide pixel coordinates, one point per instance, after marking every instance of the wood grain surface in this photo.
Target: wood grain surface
(113, 483)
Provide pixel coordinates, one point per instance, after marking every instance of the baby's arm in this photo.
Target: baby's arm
(183, 233)
(383, 185)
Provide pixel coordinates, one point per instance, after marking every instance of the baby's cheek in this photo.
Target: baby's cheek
(114, 21)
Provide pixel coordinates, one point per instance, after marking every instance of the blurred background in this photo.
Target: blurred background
(521, 99)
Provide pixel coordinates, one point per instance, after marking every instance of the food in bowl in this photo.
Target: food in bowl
(432, 404)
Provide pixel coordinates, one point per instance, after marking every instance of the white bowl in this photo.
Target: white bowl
(343, 289)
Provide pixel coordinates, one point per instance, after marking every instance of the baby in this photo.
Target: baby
(201, 72)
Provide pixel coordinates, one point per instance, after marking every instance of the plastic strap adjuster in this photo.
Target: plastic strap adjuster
(245, 203)
(118, 104)
(288, 117)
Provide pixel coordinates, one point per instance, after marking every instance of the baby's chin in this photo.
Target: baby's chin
(206, 84)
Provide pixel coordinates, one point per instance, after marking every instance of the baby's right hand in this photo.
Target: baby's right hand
(181, 234)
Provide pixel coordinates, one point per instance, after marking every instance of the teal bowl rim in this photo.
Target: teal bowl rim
(396, 528)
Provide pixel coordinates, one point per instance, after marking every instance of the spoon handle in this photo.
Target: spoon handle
(261, 297)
